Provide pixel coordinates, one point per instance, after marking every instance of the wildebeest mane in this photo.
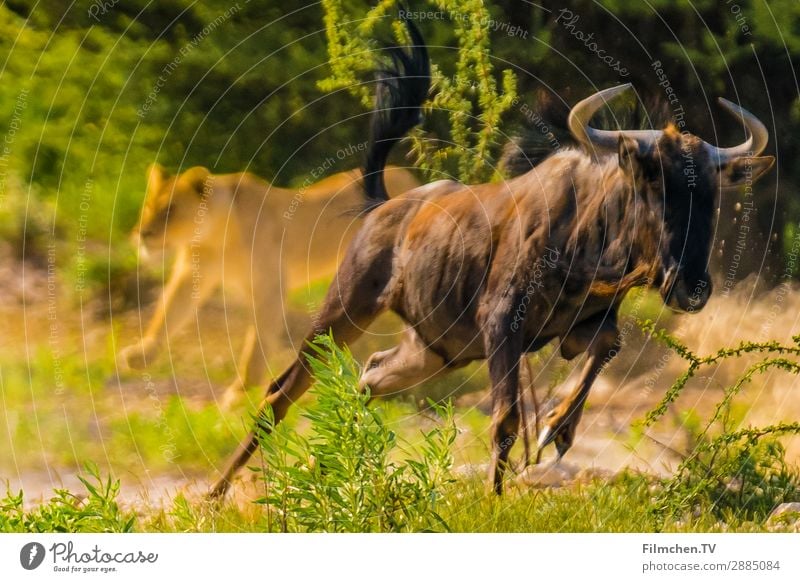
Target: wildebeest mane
(544, 128)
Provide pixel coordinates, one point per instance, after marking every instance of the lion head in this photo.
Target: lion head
(175, 207)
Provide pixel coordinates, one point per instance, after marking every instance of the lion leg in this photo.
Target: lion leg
(250, 369)
(182, 296)
(262, 340)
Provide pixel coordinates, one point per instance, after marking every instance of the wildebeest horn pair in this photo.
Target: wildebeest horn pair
(581, 114)
(496, 271)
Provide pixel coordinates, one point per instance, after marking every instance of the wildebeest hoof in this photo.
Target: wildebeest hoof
(218, 491)
(561, 436)
(545, 437)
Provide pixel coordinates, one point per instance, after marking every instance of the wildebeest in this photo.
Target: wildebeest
(494, 271)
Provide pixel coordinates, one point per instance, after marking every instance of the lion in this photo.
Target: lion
(254, 239)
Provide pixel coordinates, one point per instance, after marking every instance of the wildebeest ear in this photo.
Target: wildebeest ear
(742, 170)
(155, 177)
(628, 150)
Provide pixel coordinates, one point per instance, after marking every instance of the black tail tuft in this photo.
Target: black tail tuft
(401, 90)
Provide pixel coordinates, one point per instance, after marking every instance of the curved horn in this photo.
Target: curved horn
(580, 115)
(757, 135)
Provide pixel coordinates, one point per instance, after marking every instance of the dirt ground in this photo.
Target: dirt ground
(201, 360)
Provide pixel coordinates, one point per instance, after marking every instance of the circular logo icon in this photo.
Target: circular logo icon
(31, 555)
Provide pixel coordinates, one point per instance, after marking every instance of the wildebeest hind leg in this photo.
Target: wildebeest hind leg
(401, 367)
(353, 301)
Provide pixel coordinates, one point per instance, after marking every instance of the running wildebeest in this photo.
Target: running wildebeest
(494, 271)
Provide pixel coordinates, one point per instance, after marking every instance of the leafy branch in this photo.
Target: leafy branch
(740, 470)
(471, 96)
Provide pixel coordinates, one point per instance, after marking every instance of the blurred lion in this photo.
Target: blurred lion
(254, 239)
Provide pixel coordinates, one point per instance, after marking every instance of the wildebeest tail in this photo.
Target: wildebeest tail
(401, 89)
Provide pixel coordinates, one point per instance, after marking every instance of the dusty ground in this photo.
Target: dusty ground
(200, 361)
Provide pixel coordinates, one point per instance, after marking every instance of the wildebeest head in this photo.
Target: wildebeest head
(677, 175)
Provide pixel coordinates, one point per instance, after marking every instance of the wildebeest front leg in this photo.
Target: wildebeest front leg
(504, 350)
(601, 340)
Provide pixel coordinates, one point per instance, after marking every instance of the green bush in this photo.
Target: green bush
(468, 91)
(96, 512)
(737, 474)
(351, 474)
(741, 477)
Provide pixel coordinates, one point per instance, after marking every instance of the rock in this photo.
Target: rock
(785, 517)
(594, 474)
(547, 475)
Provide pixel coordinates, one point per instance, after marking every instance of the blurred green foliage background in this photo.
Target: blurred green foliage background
(93, 92)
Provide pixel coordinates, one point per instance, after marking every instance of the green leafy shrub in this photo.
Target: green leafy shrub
(468, 94)
(351, 474)
(96, 512)
(741, 475)
(26, 221)
(737, 474)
